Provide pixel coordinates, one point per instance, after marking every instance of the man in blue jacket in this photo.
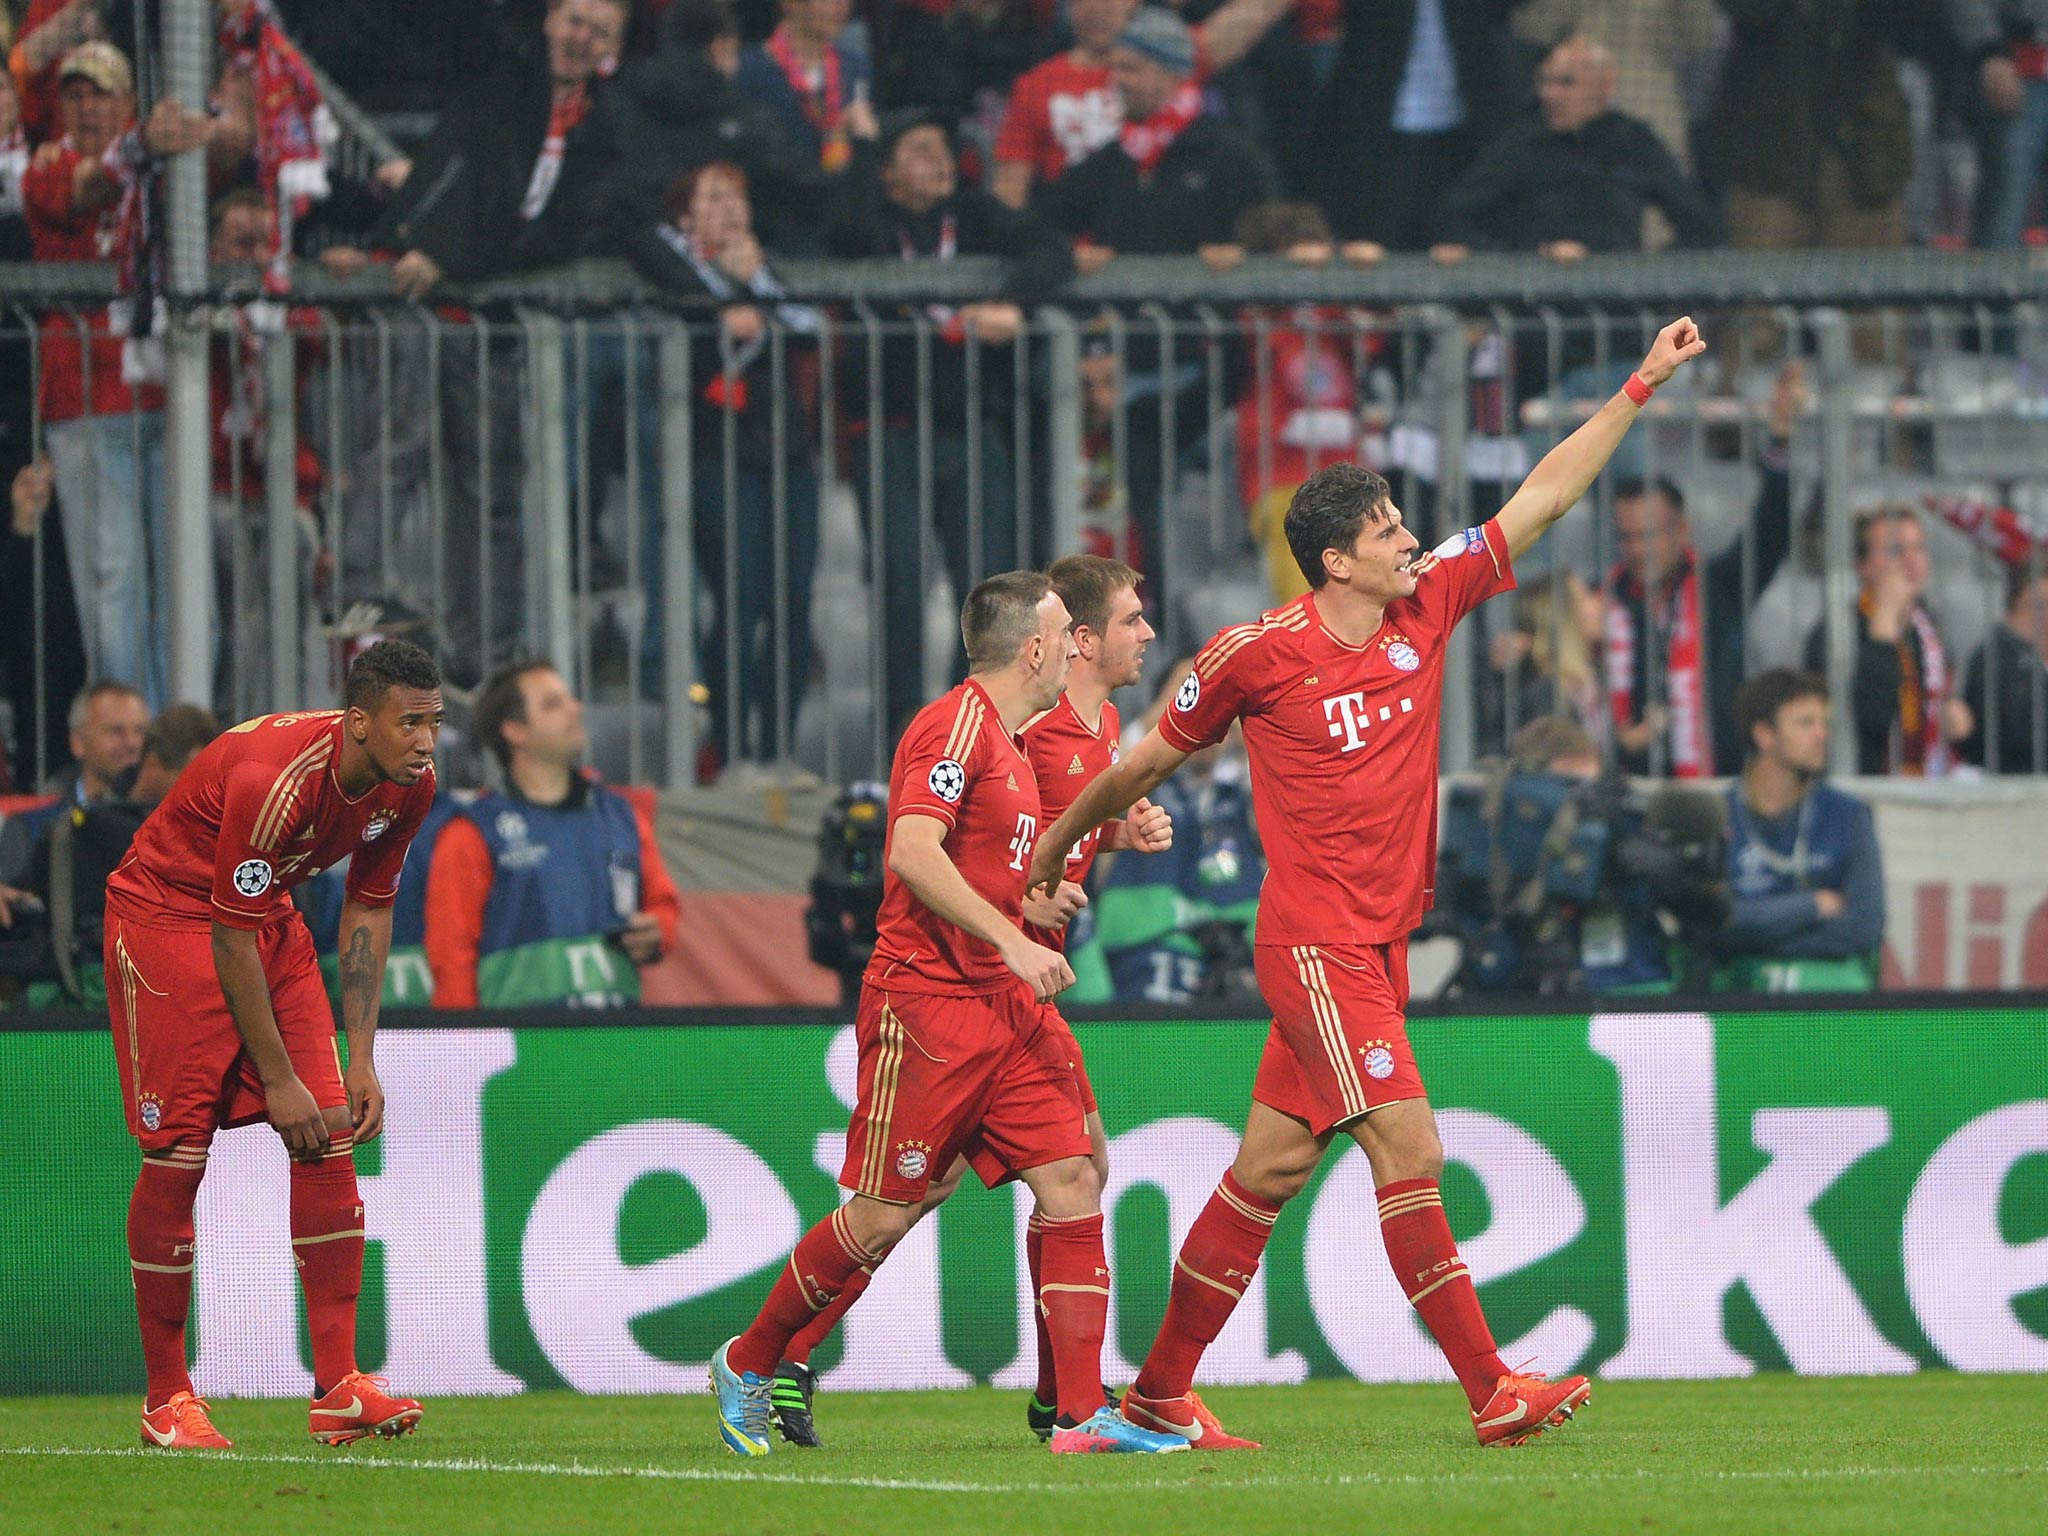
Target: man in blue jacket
(1803, 863)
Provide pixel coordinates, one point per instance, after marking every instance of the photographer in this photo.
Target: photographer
(553, 890)
(1803, 859)
(1558, 878)
(846, 887)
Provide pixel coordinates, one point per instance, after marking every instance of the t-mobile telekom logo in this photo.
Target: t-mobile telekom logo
(1350, 717)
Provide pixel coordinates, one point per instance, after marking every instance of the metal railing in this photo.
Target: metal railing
(763, 552)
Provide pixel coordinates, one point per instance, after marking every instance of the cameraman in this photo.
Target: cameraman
(1558, 878)
(1803, 861)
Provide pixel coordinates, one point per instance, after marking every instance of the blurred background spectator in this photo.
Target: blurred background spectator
(1804, 871)
(2007, 681)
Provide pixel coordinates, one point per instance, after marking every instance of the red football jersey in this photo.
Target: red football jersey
(1060, 113)
(1343, 746)
(956, 763)
(259, 811)
(1065, 755)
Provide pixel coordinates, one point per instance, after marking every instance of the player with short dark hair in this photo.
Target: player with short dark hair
(1339, 694)
(1066, 751)
(221, 1018)
(955, 1056)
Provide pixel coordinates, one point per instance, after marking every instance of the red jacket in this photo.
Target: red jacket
(60, 233)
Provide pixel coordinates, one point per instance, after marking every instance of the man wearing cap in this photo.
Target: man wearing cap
(1172, 181)
(102, 411)
(905, 202)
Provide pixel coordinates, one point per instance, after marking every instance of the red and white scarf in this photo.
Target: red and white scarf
(1148, 142)
(821, 93)
(563, 116)
(1685, 679)
(293, 126)
(1920, 750)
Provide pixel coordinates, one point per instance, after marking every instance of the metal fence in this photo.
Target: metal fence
(757, 545)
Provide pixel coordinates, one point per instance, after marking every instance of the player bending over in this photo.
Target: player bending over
(1068, 745)
(955, 1053)
(221, 1018)
(1339, 693)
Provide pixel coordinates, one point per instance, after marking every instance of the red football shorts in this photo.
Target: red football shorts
(1339, 1042)
(1065, 1050)
(943, 1076)
(184, 1073)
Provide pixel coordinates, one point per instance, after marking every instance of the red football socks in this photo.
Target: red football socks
(1047, 1391)
(814, 1333)
(824, 1260)
(1426, 1262)
(1210, 1277)
(160, 1256)
(327, 1244)
(1073, 1302)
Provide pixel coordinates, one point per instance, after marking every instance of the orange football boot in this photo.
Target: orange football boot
(181, 1424)
(1524, 1405)
(360, 1407)
(1188, 1417)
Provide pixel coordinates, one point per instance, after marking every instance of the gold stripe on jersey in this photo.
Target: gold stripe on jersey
(283, 798)
(1230, 641)
(888, 1071)
(285, 784)
(966, 726)
(1330, 1029)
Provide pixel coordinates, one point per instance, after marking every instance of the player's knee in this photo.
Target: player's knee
(1067, 1189)
(1275, 1180)
(1415, 1155)
(338, 1119)
(879, 1225)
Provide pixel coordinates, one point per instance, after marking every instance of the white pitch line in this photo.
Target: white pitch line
(933, 1485)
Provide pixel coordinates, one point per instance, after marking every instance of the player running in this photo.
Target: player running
(955, 1053)
(221, 1018)
(1068, 745)
(1339, 695)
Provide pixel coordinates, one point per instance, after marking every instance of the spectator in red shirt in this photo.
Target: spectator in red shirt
(1064, 110)
(101, 407)
(50, 30)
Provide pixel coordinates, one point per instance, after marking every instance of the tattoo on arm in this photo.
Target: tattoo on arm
(360, 982)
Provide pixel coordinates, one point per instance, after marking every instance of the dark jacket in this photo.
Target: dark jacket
(672, 112)
(1209, 176)
(462, 203)
(740, 380)
(1722, 605)
(2020, 673)
(1775, 865)
(866, 224)
(1356, 109)
(1533, 186)
(1804, 76)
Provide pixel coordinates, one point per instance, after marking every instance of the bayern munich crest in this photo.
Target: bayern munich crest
(379, 824)
(1190, 694)
(912, 1161)
(149, 1109)
(252, 877)
(1379, 1059)
(948, 781)
(1402, 655)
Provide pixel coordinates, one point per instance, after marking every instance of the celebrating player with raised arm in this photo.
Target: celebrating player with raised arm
(1339, 693)
(955, 1055)
(221, 1018)
(1068, 745)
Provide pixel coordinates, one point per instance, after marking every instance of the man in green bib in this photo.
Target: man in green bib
(1803, 863)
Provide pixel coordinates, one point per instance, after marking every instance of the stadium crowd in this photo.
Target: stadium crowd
(711, 141)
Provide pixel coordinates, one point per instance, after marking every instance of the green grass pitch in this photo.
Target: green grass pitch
(1927, 1453)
